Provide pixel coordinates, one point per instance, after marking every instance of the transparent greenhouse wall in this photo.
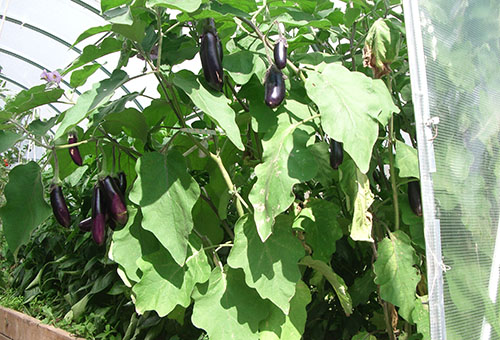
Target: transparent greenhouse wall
(454, 49)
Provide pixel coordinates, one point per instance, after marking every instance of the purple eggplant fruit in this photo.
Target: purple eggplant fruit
(73, 151)
(59, 206)
(275, 87)
(280, 53)
(98, 216)
(111, 223)
(211, 57)
(336, 154)
(86, 224)
(114, 200)
(414, 197)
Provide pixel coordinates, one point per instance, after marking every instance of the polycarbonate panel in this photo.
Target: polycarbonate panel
(454, 49)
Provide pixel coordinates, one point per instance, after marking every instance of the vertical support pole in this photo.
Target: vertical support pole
(425, 142)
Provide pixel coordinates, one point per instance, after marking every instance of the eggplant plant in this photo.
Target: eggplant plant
(232, 193)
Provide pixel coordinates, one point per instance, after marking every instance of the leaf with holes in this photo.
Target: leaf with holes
(395, 272)
(286, 162)
(351, 112)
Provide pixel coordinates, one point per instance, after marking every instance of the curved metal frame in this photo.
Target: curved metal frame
(24, 88)
(65, 43)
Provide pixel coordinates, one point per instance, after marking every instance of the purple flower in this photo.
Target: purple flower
(51, 77)
(154, 53)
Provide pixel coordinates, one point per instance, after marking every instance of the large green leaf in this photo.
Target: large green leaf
(33, 97)
(131, 243)
(351, 110)
(382, 43)
(25, 209)
(395, 272)
(335, 280)
(166, 194)
(288, 327)
(92, 52)
(8, 139)
(286, 161)
(322, 230)
(41, 127)
(183, 5)
(90, 32)
(164, 284)
(242, 65)
(129, 120)
(79, 77)
(100, 93)
(214, 104)
(270, 267)
(226, 308)
(406, 160)
(420, 316)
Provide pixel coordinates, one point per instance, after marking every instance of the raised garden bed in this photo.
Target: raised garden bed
(18, 326)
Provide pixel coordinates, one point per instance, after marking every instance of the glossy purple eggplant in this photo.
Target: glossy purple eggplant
(98, 215)
(114, 200)
(336, 154)
(73, 151)
(212, 28)
(59, 206)
(86, 224)
(414, 197)
(275, 87)
(211, 57)
(280, 53)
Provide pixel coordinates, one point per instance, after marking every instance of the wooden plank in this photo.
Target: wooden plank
(19, 326)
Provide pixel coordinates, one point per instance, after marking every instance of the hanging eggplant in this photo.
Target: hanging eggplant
(280, 48)
(86, 224)
(414, 197)
(211, 56)
(280, 53)
(275, 87)
(59, 207)
(98, 215)
(73, 151)
(115, 201)
(336, 154)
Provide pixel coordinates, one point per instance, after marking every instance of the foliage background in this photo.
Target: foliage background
(250, 233)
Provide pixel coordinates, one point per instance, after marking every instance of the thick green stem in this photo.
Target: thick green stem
(160, 37)
(229, 183)
(56, 167)
(67, 146)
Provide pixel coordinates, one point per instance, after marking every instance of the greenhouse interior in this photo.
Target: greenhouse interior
(254, 170)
